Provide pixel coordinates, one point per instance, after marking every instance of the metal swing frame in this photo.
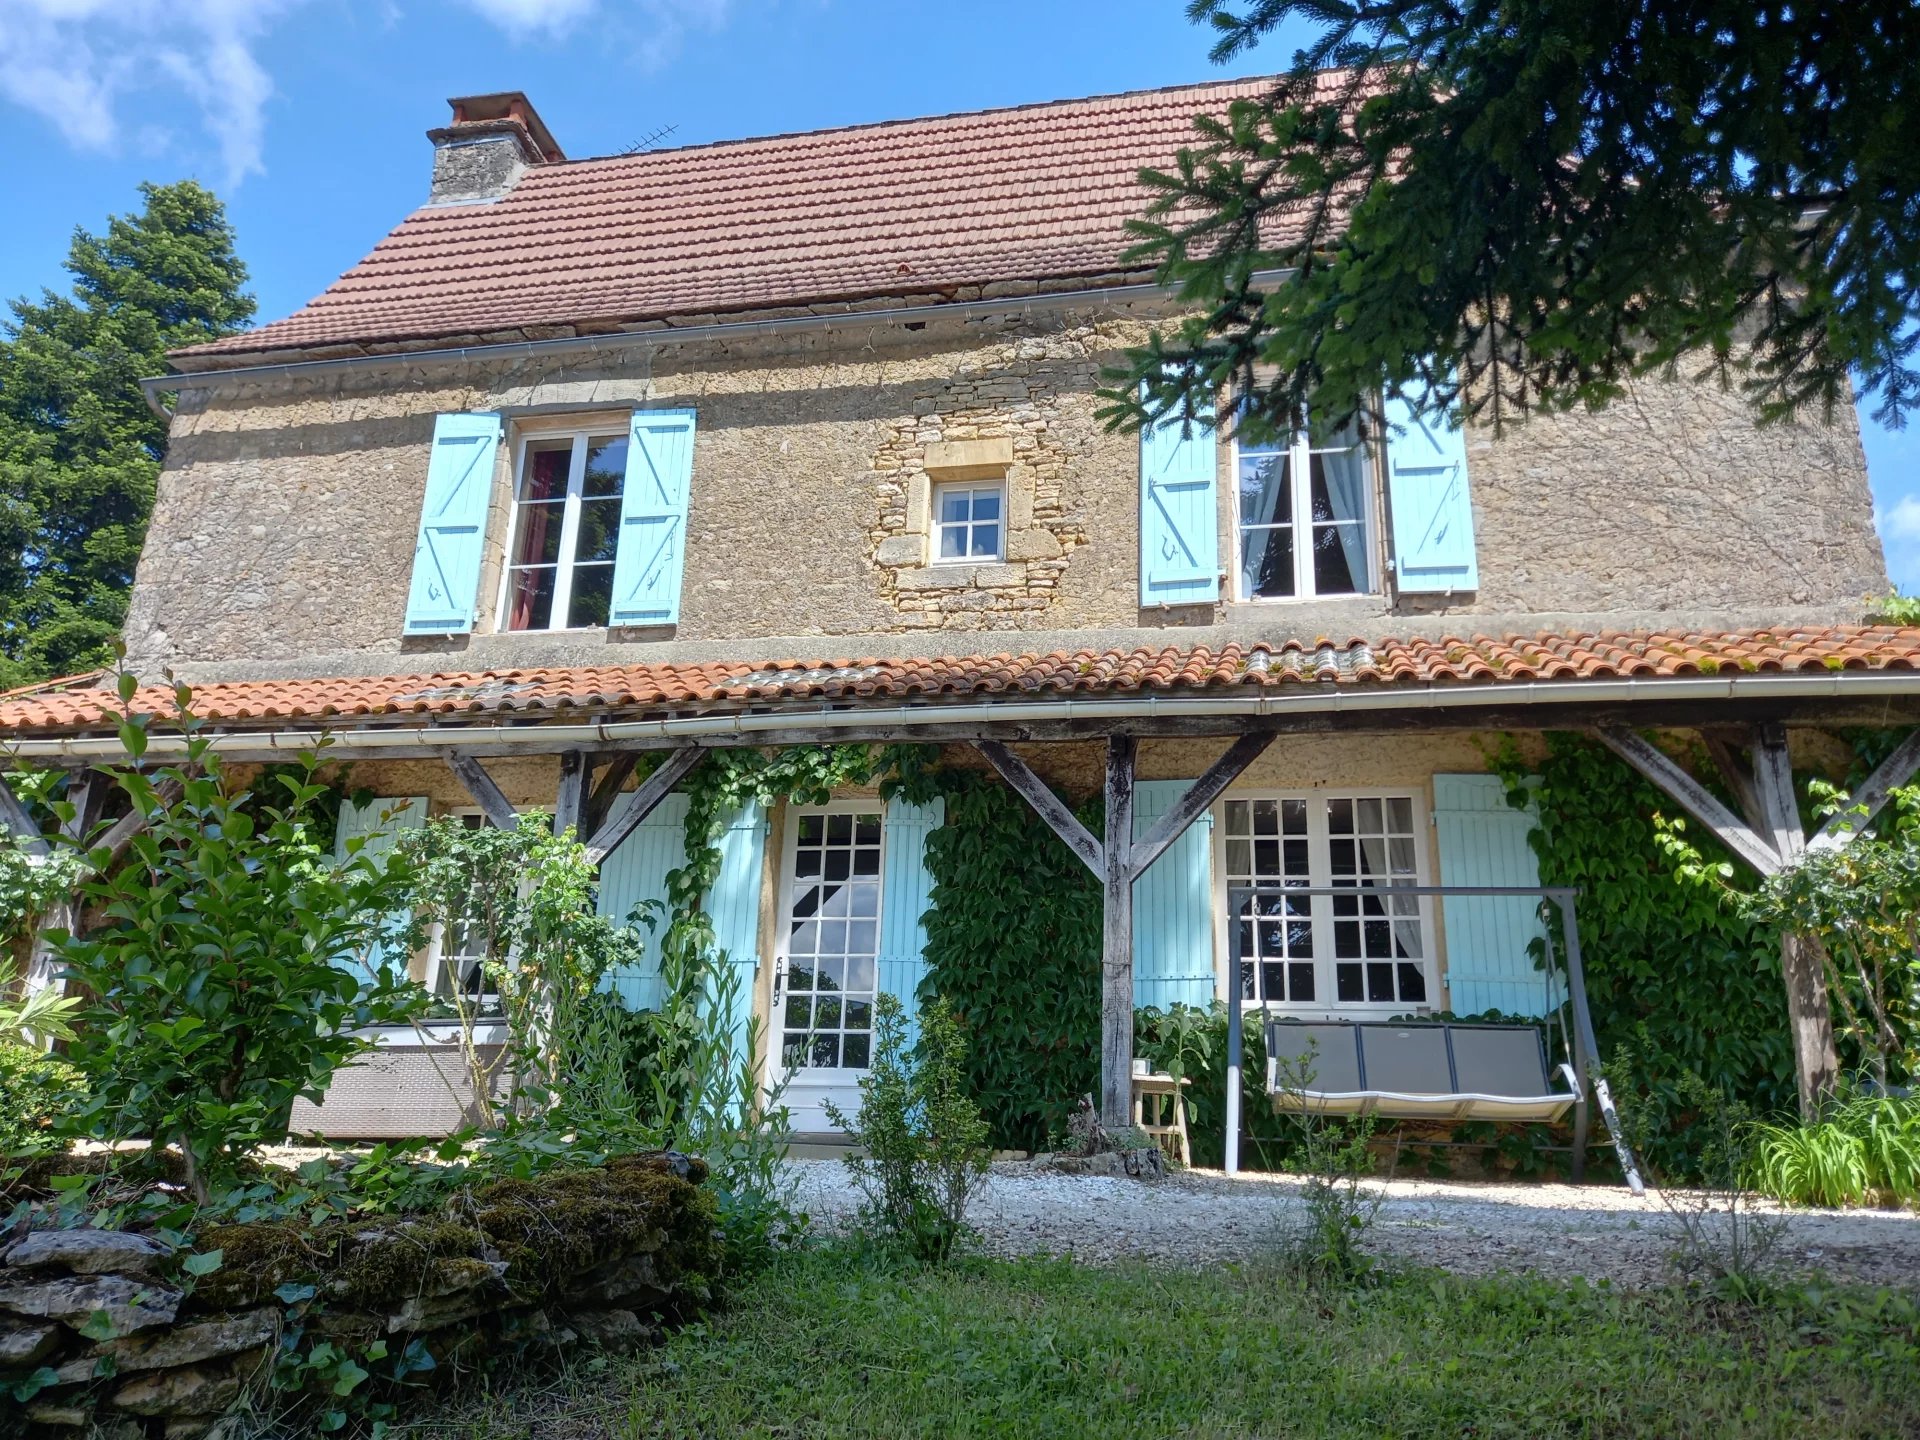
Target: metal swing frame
(1584, 1073)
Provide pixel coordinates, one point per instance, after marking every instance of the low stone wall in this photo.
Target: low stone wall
(108, 1333)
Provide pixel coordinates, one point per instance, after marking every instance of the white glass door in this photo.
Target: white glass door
(829, 949)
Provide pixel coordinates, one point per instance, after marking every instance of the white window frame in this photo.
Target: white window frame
(1320, 876)
(1300, 451)
(777, 1071)
(581, 435)
(997, 488)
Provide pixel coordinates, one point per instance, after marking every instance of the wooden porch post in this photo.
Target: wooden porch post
(1816, 1059)
(1116, 949)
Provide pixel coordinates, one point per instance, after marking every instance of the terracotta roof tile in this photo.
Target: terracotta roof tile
(631, 691)
(912, 207)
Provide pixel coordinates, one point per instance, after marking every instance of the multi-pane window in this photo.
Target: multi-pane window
(1293, 949)
(968, 522)
(456, 959)
(566, 525)
(833, 941)
(1302, 508)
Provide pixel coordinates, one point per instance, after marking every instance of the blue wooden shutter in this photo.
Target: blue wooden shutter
(634, 873)
(1483, 841)
(1179, 514)
(1173, 906)
(652, 550)
(453, 525)
(377, 825)
(1431, 502)
(906, 893)
(734, 907)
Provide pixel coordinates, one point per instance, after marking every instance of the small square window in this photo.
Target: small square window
(967, 523)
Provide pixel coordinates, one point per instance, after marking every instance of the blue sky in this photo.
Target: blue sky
(307, 115)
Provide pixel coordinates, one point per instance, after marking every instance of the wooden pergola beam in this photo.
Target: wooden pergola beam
(642, 801)
(487, 795)
(606, 789)
(1116, 939)
(1695, 798)
(1198, 800)
(119, 835)
(14, 819)
(1869, 798)
(1047, 805)
(570, 796)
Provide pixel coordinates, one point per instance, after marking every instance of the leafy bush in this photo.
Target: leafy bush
(36, 1090)
(1868, 1148)
(924, 1141)
(217, 993)
(1325, 1243)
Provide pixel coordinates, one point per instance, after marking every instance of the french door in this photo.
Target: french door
(826, 965)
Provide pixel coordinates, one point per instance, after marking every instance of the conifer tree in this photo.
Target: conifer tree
(79, 449)
(1538, 200)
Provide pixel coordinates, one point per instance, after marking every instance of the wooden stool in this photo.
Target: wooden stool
(1160, 1110)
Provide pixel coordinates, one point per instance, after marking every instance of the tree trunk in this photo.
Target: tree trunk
(1810, 1016)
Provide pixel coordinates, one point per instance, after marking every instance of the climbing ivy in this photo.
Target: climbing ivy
(1013, 943)
(1675, 975)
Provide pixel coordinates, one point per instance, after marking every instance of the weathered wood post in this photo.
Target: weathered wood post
(1116, 950)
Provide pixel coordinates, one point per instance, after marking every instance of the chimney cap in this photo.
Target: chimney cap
(507, 105)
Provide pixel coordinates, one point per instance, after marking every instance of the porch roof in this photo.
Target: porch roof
(1391, 673)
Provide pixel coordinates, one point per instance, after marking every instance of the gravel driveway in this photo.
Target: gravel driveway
(1201, 1216)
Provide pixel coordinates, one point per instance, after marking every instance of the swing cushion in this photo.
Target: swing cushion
(1417, 1070)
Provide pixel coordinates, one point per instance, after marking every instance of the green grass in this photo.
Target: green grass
(825, 1345)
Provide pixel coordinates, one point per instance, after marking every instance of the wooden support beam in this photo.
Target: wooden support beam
(479, 784)
(1050, 807)
(85, 793)
(1870, 796)
(119, 835)
(1198, 799)
(1116, 945)
(606, 789)
(1737, 775)
(14, 818)
(1816, 1059)
(570, 799)
(641, 802)
(1693, 797)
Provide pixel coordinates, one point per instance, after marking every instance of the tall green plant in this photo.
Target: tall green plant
(216, 989)
(528, 898)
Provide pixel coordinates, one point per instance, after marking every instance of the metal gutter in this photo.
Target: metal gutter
(156, 385)
(765, 727)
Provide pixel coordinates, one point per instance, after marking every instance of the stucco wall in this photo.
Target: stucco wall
(283, 533)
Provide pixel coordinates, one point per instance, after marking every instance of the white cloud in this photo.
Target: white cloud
(74, 62)
(654, 29)
(1900, 536)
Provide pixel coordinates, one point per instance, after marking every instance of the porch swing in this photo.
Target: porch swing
(1416, 1068)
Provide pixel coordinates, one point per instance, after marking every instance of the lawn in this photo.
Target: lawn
(828, 1345)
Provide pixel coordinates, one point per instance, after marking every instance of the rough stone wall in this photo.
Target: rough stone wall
(283, 533)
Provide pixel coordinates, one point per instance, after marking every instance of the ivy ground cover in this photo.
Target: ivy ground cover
(826, 1344)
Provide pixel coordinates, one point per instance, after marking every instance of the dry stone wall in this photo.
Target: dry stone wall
(103, 1334)
(283, 533)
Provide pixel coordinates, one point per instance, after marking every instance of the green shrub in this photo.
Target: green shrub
(36, 1090)
(924, 1143)
(1867, 1149)
(217, 975)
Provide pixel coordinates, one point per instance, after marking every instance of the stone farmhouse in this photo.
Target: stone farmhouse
(793, 440)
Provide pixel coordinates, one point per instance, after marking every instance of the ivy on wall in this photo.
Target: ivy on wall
(1675, 976)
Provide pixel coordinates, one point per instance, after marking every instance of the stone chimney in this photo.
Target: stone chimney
(492, 141)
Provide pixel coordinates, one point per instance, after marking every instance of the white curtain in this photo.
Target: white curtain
(1272, 470)
(1346, 472)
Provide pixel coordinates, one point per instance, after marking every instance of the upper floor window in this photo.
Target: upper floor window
(968, 522)
(1302, 517)
(566, 527)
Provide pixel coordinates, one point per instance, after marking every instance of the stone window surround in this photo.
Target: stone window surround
(959, 460)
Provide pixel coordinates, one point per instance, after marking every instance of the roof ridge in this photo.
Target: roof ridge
(901, 122)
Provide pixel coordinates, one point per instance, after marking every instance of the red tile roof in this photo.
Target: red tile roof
(631, 690)
(908, 208)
